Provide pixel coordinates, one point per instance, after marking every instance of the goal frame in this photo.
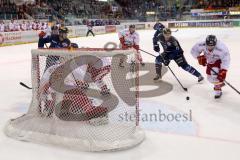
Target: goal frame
(80, 144)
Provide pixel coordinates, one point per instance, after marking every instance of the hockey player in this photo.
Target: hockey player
(90, 27)
(217, 59)
(159, 28)
(129, 38)
(58, 39)
(80, 102)
(172, 51)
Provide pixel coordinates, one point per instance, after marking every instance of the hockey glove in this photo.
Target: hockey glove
(42, 34)
(122, 41)
(156, 48)
(202, 60)
(222, 75)
(136, 47)
(165, 59)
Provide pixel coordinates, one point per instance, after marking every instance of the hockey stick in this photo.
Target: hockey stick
(24, 85)
(184, 88)
(226, 82)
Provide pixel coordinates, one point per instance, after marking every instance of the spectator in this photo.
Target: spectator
(23, 26)
(11, 26)
(2, 26)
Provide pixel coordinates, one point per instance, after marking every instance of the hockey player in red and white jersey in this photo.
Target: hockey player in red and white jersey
(129, 38)
(215, 55)
(95, 70)
(80, 101)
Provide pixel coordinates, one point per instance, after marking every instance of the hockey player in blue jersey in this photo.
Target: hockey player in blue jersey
(159, 28)
(57, 39)
(172, 51)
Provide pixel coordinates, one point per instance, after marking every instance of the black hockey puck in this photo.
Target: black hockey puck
(187, 98)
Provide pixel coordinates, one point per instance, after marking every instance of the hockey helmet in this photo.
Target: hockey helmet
(132, 26)
(63, 30)
(167, 31)
(211, 40)
(74, 45)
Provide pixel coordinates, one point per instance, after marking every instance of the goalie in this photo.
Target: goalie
(129, 38)
(75, 100)
(78, 98)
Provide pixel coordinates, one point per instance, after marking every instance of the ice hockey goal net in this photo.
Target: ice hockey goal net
(81, 99)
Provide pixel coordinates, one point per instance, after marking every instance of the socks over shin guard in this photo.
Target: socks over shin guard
(158, 68)
(191, 70)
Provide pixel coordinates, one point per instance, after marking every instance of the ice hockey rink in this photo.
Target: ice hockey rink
(213, 133)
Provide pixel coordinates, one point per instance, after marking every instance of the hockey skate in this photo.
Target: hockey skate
(142, 64)
(158, 77)
(218, 95)
(102, 120)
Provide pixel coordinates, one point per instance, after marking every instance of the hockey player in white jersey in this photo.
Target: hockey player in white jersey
(129, 38)
(215, 55)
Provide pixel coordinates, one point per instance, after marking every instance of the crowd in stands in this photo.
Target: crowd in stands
(215, 4)
(105, 13)
(22, 26)
(41, 9)
(139, 8)
(98, 22)
(83, 8)
(8, 9)
(15, 25)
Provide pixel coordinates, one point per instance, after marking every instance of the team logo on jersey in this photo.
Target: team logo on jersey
(1, 39)
(64, 44)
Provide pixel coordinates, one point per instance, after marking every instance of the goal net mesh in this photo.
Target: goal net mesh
(82, 99)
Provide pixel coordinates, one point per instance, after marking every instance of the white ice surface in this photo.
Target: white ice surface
(214, 133)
